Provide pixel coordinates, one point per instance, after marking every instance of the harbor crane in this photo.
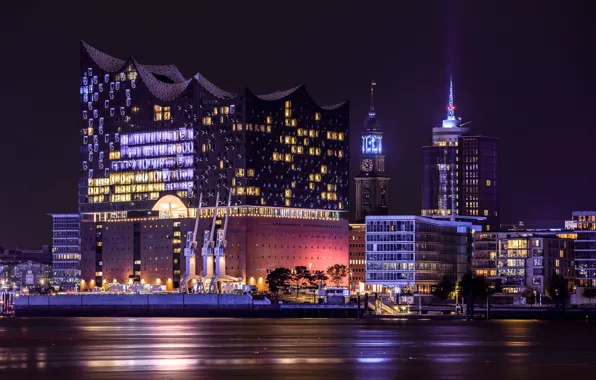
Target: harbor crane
(191, 257)
(221, 281)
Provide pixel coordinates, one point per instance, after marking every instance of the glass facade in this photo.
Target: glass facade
(585, 248)
(147, 132)
(66, 254)
(415, 252)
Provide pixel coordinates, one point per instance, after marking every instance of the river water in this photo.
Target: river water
(183, 348)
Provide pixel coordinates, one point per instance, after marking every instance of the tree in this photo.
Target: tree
(278, 279)
(473, 286)
(558, 290)
(300, 277)
(337, 273)
(444, 288)
(317, 278)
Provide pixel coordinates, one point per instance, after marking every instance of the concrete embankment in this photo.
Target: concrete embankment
(187, 305)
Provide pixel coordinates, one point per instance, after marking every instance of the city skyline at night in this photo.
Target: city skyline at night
(528, 85)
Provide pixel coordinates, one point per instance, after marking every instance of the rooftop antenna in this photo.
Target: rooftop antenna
(451, 106)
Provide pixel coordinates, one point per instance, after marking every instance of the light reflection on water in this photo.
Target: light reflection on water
(292, 348)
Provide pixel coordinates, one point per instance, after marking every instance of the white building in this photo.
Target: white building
(413, 253)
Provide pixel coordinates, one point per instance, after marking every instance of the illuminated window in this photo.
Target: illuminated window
(157, 112)
(288, 203)
(340, 205)
(253, 190)
(268, 129)
(240, 191)
(269, 120)
(340, 153)
(488, 182)
(288, 103)
(317, 177)
(288, 157)
(294, 123)
(135, 109)
(250, 172)
(557, 262)
(323, 169)
(317, 116)
(311, 185)
(288, 113)
(561, 254)
(340, 136)
(221, 164)
(306, 141)
(239, 172)
(207, 120)
(288, 193)
(485, 212)
(293, 184)
(114, 155)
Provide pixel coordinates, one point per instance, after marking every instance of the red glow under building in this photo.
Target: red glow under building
(255, 245)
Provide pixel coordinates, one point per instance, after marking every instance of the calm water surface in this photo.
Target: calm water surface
(175, 348)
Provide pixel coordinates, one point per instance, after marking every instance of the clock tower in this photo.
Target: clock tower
(371, 181)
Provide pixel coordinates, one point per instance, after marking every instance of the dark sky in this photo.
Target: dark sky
(524, 71)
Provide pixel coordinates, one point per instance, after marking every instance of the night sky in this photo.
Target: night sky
(523, 71)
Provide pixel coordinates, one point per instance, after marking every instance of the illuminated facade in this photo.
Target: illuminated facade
(460, 172)
(415, 252)
(357, 246)
(153, 140)
(66, 253)
(518, 262)
(585, 248)
(372, 184)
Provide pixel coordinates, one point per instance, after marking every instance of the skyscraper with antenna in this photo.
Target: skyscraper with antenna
(460, 171)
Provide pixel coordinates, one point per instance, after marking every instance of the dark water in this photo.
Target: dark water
(175, 348)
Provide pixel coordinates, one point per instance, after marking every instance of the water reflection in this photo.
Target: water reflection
(293, 349)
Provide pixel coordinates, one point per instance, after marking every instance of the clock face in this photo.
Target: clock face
(367, 165)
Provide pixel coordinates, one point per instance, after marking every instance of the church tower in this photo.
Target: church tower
(371, 181)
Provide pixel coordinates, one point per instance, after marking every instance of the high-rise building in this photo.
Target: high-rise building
(66, 251)
(460, 172)
(478, 175)
(415, 252)
(372, 184)
(153, 141)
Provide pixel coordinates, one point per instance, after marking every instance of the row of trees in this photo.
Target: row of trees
(300, 277)
(472, 287)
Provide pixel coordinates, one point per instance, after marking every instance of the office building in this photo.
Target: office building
(357, 247)
(414, 253)
(372, 184)
(460, 171)
(153, 141)
(66, 251)
(478, 172)
(520, 261)
(585, 248)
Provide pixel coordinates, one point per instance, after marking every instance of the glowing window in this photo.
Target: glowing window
(317, 116)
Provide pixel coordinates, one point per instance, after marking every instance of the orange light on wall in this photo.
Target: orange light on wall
(158, 281)
(142, 281)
